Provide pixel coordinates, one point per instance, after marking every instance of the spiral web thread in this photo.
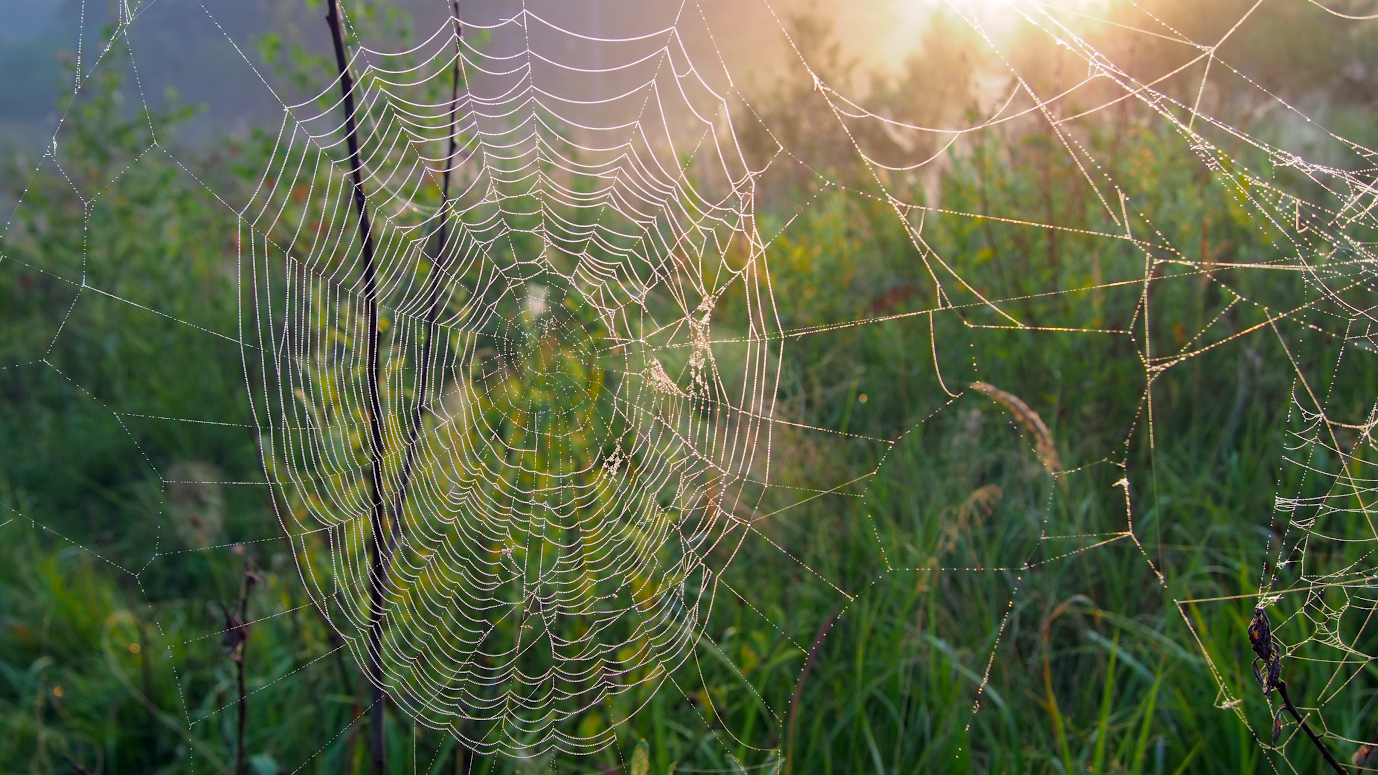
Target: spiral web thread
(599, 396)
(581, 457)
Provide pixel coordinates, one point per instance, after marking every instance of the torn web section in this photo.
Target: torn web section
(567, 444)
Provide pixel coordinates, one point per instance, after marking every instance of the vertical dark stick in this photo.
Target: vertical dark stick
(247, 585)
(377, 572)
(432, 293)
(243, 714)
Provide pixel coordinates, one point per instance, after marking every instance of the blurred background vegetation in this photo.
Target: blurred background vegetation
(114, 656)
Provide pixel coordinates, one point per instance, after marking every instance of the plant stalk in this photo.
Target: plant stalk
(377, 570)
(433, 294)
(247, 585)
(1315, 739)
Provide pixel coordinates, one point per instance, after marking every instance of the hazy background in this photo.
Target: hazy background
(176, 45)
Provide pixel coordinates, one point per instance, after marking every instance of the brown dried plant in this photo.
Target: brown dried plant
(1047, 450)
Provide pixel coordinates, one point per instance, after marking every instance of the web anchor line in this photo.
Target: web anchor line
(378, 570)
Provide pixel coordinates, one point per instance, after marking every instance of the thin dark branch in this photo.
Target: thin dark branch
(433, 293)
(239, 760)
(377, 570)
(235, 641)
(1315, 739)
(247, 585)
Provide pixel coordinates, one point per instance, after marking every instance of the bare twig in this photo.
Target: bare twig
(1269, 678)
(377, 571)
(235, 642)
(433, 292)
(1315, 739)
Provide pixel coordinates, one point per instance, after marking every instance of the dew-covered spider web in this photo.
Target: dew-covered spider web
(540, 430)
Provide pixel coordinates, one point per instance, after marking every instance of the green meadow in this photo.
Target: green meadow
(1027, 486)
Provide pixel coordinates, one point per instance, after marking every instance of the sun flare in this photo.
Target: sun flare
(903, 21)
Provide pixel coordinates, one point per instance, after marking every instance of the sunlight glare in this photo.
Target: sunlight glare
(996, 17)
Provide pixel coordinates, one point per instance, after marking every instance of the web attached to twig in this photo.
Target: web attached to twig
(566, 468)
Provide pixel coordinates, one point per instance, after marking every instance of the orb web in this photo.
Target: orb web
(559, 476)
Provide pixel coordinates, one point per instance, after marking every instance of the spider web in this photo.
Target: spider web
(582, 455)
(579, 245)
